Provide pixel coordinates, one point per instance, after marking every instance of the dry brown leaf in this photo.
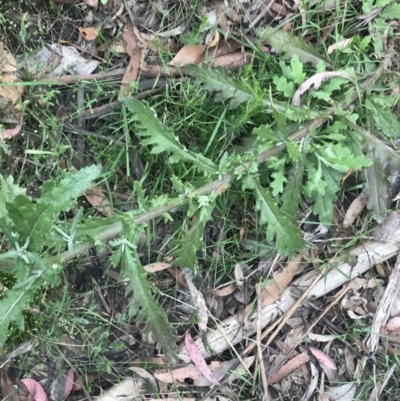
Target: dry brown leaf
(179, 375)
(187, 55)
(126, 389)
(199, 303)
(134, 51)
(289, 367)
(10, 132)
(8, 392)
(115, 46)
(355, 208)
(192, 372)
(7, 60)
(273, 290)
(393, 323)
(91, 3)
(223, 20)
(146, 39)
(156, 267)
(96, 198)
(177, 274)
(170, 399)
(10, 95)
(339, 45)
(316, 81)
(129, 38)
(89, 33)
(215, 41)
(145, 374)
(228, 290)
(131, 75)
(232, 60)
(239, 276)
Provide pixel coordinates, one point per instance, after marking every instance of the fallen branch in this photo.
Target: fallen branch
(232, 329)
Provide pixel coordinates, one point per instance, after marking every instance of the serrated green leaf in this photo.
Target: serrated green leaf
(323, 206)
(14, 302)
(285, 42)
(364, 43)
(378, 188)
(192, 240)
(142, 304)
(315, 183)
(145, 308)
(292, 194)
(387, 122)
(277, 184)
(288, 238)
(8, 192)
(321, 95)
(237, 92)
(382, 3)
(392, 11)
(34, 220)
(377, 150)
(293, 150)
(228, 88)
(156, 135)
(284, 86)
(297, 70)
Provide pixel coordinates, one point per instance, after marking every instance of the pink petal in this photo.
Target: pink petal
(69, 383)
(323, 359)
(35, 389)
(198, 359)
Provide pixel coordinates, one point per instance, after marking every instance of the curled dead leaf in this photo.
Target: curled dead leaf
(10, 95)
(228, 290)
(156, 267)
(316, 81)
(187, 55)
(198, 359)
(355, 208)
(323, 359)
(89, 33)
(215, 40)
(10, 132)
(274, 289)
(7, 60)
(91, 3)
(339, 45)
(35, 390)
(96, 198)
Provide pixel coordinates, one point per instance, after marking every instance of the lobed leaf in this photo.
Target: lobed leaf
(34, 220)
(155, 134)
(378, 189)
(146, 310)
(288, 238)
(14, 302)
(285, 42)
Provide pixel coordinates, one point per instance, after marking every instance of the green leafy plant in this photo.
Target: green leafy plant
(296, 157)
